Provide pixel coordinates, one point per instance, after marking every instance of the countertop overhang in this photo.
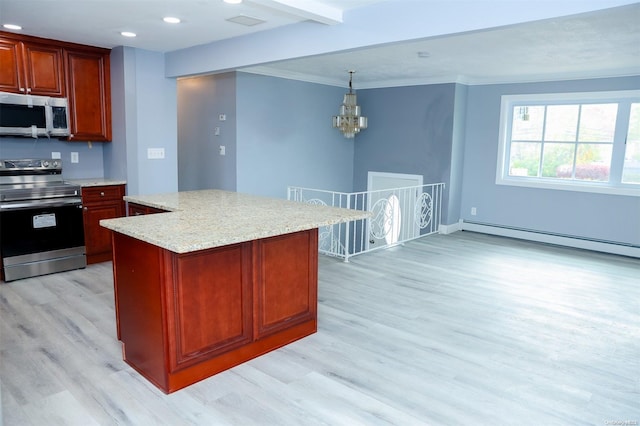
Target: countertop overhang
(88, 182)
(199, 220)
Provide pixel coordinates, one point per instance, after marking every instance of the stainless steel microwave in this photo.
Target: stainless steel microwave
(34, 116)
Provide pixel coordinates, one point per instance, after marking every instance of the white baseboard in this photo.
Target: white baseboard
(450, 229)
(548, 238)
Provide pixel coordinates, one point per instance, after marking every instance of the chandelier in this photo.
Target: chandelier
(349, 121)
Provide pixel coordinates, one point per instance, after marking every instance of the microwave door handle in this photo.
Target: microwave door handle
(48, 117)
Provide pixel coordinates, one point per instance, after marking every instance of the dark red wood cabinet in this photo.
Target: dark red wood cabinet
(184, 317)
(38, 66)
(89, 94)
(31, 68)
(100, 202)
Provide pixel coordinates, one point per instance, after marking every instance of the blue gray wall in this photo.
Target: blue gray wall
(277, 133)
(144, 110)
(580, 214)
(284, 137)
(201, 100)
(411, 130)
(454, 188)
(155, 124)
(117, 159)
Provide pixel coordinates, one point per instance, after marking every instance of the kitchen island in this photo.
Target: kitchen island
(219, 279)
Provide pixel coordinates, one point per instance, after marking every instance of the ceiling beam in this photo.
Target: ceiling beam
(307, 9)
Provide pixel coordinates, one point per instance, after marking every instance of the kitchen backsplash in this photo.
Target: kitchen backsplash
(89, 155)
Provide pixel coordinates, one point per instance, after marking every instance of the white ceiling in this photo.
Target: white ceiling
(99, 22)
(596, 44)
(600, 44)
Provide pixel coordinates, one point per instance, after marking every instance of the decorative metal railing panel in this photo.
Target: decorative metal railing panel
(397, 215)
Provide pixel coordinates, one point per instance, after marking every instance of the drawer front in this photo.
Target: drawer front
(96, 194)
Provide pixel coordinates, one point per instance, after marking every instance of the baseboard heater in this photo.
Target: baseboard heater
(554, 238)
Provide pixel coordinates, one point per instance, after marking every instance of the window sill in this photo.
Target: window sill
(604, 188)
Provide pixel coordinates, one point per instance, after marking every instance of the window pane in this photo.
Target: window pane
(558, 160)
(524, 159)
(527, 123)
(598, 122)
(592, 162)
(631, 167)
(562, 123)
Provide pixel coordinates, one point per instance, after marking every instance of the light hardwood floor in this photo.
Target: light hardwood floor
(457, 329)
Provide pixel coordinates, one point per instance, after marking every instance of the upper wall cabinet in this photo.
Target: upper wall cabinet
(89, 95)
(31, 68)
(36, 66)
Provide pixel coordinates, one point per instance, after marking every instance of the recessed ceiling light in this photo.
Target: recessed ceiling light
(171, 20)
(233, 1)
(12, 27)
(128, 34)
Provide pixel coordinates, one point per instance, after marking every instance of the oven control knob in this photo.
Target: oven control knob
(45, 163)
(55, 164)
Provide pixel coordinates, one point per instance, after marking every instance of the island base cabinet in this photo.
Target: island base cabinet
(285, 268)
(184, 317)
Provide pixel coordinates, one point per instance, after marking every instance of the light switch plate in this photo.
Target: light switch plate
(75, 158)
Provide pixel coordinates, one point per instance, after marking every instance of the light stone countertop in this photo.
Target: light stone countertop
(96, 182)
(199, 220)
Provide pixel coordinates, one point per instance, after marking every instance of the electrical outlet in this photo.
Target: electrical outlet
(75, 158)
(216, 131)
(223, 150)
(155, 153)
(473, 211)
(222, 117)
(55, 156)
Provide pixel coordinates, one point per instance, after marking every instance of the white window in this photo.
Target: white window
(571, 141)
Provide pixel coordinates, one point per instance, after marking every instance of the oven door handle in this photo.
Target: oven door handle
(24, 205)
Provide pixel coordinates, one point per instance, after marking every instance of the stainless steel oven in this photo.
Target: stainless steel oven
(41, 221)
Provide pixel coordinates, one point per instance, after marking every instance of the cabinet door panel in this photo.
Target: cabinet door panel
(89, 96)
(97, 238)
(10, 66)
(100, 202)
(44, 70)
(212, 303)
(286, 284)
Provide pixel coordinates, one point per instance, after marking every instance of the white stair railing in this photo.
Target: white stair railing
(397, 215)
